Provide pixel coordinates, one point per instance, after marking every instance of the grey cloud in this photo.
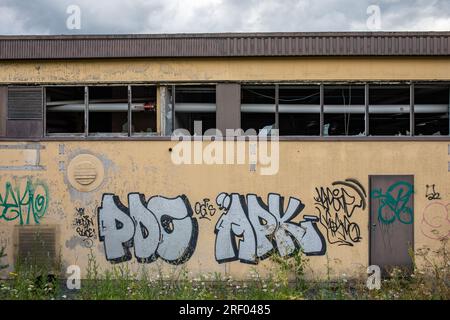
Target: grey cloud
(184, 16)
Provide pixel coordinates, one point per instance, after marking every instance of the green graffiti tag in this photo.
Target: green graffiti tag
(31, 202)
(395, 200)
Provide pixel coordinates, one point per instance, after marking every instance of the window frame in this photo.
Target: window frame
(388, 86)
(171, 91)
(44, 101)
(173, 102)
(86, 134)
(367, 106)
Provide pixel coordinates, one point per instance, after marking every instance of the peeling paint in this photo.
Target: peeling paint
(226, 69)
(23, 157)
(145, 167)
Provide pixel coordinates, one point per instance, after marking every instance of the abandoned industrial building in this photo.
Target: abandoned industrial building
(86, 126)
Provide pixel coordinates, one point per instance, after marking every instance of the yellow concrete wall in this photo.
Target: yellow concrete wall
(146, 167)
(226, 69)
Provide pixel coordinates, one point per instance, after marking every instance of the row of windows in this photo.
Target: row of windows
(296, 110)
(344, 110)
(101, 110)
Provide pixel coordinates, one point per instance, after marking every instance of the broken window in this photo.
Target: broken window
(195, 104)
(143, 110)
(431, 110)
(344, 111)
(389, 110)
(64, 110)
(257, 108)
(299, 110)
(108, 110)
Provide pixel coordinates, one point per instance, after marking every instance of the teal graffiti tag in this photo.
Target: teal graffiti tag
(31, 202)
(395, 200)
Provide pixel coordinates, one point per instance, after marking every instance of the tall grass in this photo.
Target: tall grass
(286, 280)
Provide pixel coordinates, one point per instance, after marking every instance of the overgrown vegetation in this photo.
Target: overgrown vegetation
(287, 280)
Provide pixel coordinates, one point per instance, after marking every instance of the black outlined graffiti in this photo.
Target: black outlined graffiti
(249, 230)
(205, 209)
(158, 228)
(336, 206)
(431, 193)
(84, 226)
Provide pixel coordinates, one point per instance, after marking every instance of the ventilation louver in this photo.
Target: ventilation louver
(25, 103)
(36, 246)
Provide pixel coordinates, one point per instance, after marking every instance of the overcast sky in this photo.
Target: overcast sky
(192, 16)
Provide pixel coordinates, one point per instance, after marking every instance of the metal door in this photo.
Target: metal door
(391, 221)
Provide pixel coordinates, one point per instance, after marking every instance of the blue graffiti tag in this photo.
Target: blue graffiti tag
(396, 201)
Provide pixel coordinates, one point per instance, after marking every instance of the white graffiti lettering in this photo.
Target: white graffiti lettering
(161, 227)
(249, 230)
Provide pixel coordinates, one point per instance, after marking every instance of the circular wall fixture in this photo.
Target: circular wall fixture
(85, 172)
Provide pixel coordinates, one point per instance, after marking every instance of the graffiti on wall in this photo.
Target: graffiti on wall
(158, 228)
(250, 230)
(84, 227)
(25, 203)
(205, 209)
(336, 207)
(436, 221)
(394, 204)
(431, 193)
